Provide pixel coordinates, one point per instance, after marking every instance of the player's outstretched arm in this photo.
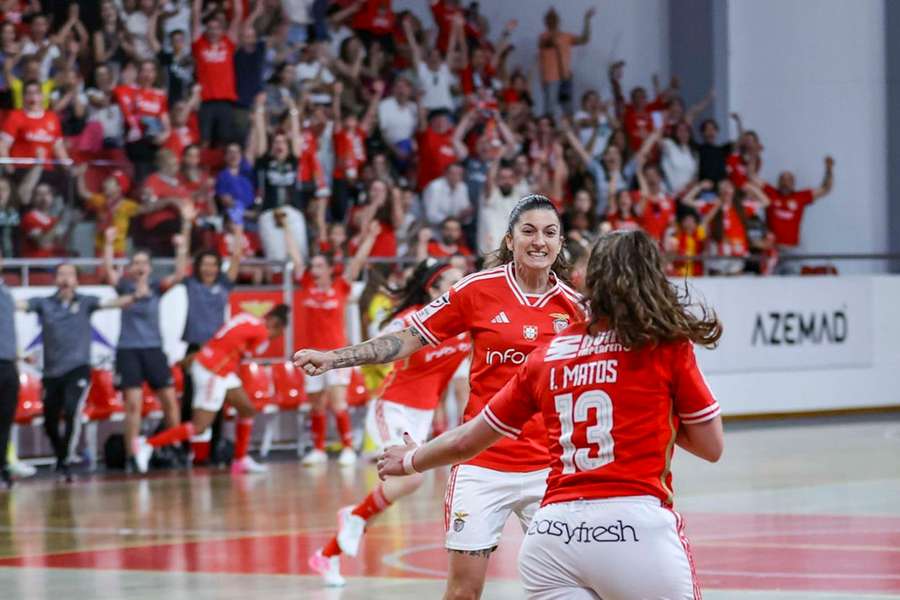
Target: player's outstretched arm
(381, 349)
(454, 446)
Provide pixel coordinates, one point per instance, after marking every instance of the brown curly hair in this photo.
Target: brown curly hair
(628, 292)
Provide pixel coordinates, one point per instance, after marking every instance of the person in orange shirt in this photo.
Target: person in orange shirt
(688, 239)
(555, 61)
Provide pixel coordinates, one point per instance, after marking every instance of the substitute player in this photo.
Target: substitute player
(509, 310)
(215, 373)
(321, 308)
(617, 393)
(405, 404)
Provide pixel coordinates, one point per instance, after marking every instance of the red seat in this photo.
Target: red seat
(103, 400)
(290, 391)
(257, 382)
(151, 405)
(357, 394)
(31, 406)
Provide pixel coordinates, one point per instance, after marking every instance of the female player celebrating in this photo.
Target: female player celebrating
(509, 310)
(405, 404)
(617, 393)
(320, 307)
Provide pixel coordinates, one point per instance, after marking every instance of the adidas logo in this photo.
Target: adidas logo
(500, 318)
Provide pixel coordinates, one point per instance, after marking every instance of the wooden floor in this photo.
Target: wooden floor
(791, 512)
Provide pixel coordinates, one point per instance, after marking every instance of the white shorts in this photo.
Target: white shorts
(615, 549)
(386, 422)
(210, 389)
(318, 383)
(479, 501)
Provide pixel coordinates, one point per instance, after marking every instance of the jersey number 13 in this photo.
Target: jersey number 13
(599, 434)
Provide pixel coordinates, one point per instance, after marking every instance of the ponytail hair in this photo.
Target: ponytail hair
(503, 255)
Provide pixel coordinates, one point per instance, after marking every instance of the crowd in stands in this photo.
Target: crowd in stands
(252, 116)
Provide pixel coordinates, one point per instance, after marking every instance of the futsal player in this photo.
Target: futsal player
(508, 310)
(405, 403)
(617, 393)
(216, 381)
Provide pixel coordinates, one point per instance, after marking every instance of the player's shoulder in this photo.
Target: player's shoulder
(487, 278)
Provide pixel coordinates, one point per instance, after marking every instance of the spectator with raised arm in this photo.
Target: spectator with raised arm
(687, 239)
(235, 187)
(435, 143)
(213, 49)
(555, 60)
(602, 170)
(146, 114)
(636, 115)
(745, 161)
(785, 212)
(162, 198)
(712, 155)
(655, 207)
(433, 71)
(594, 123)
(350, 134)
(249, 68)
(111, 207)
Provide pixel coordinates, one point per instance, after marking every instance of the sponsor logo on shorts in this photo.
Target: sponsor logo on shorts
(583, 533)
(459, 520)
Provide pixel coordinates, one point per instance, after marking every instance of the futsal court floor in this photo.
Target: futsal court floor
(807, 510)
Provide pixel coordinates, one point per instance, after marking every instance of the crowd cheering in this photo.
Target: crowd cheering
(253, 116)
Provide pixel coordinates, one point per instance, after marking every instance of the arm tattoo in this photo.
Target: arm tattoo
(418, 335)
(378, 350)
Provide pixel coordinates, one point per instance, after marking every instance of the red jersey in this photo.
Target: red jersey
(36, 222)
(419, 380)
(349, 152)
(506, 325)
(659, 211)
(734, 234)
(611, 413)
(375, 16)
(436, 153)
(639, 123)
(784, 214)
(444, 14)
(471, 80)
(27, 131)
(617, 223)
(241, 336)
(144, 102)
(319, 322)
(214, 65)
(309, 169)
(179, 139)
(737, 170)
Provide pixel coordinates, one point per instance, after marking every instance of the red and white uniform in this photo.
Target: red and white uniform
(414, 387)
(349, 152)
(143, 102)
(309, 169)
(612, 415)
(28, 131)
(215, 369)
(785, 212)
(214, 63)
(506, 325)
(320, 324)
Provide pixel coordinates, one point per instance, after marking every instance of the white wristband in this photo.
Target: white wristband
(408, 467)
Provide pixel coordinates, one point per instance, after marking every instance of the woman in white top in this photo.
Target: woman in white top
(679, 160)
(434, 73)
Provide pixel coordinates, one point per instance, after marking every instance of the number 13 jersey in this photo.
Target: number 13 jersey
(611, 413)
(506, 325)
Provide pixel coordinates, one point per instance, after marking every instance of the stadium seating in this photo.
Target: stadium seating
(103, 403)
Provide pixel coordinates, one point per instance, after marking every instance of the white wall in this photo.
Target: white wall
(810, 78)
(635, 31)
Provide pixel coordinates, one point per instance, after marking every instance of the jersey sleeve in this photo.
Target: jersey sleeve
(445, 317)
(694, 401)
(514, 404)
(806, 197)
